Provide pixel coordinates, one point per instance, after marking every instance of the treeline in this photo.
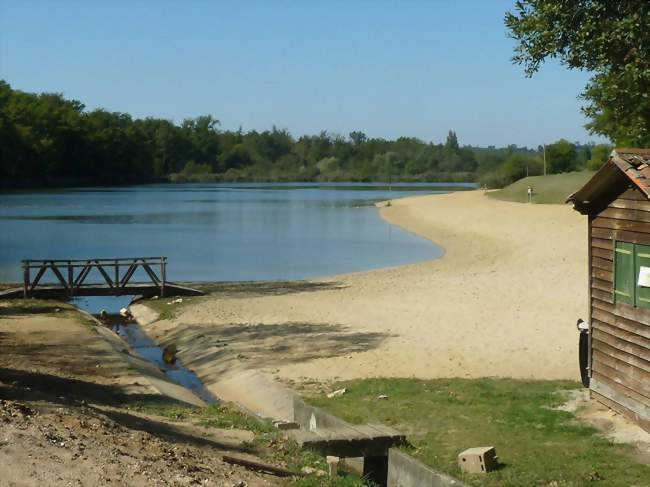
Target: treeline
(47, 140)
(498, 168)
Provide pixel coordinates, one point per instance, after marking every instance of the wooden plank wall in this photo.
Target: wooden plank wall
(620, 334)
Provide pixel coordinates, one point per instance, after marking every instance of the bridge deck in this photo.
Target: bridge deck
(350, 441)
(58, 292)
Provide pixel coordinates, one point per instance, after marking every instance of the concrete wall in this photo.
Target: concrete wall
(310, 417)
(403, 470)
(406, 471)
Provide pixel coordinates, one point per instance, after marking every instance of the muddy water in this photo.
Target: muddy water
(141, 344)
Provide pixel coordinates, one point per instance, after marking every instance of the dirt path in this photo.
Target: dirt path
(63, 421)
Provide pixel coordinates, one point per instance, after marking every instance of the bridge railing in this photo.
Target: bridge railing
(73, 274)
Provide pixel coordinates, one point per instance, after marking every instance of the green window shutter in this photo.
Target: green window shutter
(641, 259)
(624, 273)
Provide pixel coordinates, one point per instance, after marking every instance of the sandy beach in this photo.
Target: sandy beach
(502, 301)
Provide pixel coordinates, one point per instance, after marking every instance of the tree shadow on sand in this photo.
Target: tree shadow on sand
(75, 360)
(21, 385)
(227, 347)
(28, 309)
(255, 289)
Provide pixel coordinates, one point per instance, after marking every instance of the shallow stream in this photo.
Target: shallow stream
(140, 343)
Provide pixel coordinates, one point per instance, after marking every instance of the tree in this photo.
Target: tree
(599, 155)
(606, 37)
(561, 156)
(451, 144)
(357, 137)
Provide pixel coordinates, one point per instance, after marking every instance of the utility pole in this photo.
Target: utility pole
(544, 151)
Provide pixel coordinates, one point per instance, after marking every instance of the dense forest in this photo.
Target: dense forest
(48, 140)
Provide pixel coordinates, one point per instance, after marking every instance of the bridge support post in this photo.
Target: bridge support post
(71, 278)
(25, 279)
(163, 275)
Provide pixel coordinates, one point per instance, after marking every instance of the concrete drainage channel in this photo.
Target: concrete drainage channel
(262, 397)
(140, 343)
(134, 345)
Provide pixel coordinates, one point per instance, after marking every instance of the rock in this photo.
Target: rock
(337, 393)
(169, 354)
(313, 471)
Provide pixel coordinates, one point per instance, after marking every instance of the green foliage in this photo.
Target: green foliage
(608, 38)
(561, 156)
(599, 155)
(497, 169)
(46, 139)
(451, 144)
(192, 168)
(537, 445)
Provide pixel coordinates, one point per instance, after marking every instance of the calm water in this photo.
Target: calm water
(213, 232)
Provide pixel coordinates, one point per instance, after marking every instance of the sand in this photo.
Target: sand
(502, 301)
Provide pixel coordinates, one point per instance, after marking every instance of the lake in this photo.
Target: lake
(215, 232)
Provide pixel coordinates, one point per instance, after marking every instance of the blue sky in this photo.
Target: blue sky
(388, 68)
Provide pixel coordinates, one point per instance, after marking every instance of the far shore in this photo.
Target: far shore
(502, 302)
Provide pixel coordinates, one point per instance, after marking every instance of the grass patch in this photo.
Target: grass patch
(169, 311)
(216, 415)
(551, 189)
(268, 439)
(537, 445)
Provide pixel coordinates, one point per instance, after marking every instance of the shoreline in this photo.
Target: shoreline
(501, 302)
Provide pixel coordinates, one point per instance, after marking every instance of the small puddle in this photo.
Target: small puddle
(140, 343)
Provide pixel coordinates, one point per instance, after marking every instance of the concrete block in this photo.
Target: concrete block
(482, 459)
(333, 464)
(286, 425)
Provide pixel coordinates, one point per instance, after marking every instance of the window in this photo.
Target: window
(629, 258)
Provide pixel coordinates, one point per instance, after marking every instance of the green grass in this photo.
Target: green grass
(215, 416)
(538, 446)
(551, 189)
(169, 311)
(268, 440)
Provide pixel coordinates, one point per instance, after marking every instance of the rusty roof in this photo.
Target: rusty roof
(633, 163)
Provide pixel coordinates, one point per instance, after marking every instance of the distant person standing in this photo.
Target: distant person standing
(530, 194)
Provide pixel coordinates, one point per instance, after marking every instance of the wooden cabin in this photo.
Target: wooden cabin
(617, 202)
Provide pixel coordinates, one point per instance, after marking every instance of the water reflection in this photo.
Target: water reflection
(213, 232)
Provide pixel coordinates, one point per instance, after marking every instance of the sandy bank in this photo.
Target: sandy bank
(503, 301)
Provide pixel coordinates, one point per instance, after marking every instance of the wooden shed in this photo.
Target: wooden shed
(617, 202)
